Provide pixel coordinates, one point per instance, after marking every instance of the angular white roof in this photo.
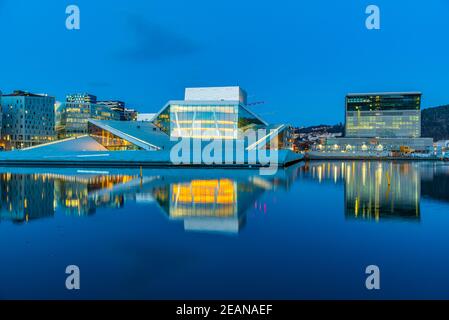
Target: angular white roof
(78, 144)
(143, 134)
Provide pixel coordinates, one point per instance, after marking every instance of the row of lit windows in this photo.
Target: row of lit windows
(384, 118)
(212, 109)
(14, 137)
(199, 124)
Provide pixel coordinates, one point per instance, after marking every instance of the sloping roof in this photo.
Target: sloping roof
(272, 131)
(143, 134)
(83, 143)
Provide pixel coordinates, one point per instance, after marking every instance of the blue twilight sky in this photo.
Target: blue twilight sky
(300, 57)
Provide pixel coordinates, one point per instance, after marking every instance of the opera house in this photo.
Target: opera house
(205, 115)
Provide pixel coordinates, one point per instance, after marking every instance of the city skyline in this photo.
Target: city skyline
(295, 58)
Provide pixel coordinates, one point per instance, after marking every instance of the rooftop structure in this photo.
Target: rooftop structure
(216, 94)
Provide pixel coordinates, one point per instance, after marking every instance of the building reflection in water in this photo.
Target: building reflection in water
(374, 190)
(218, 203)
(75, 193)
(26, 197)
(435, 181)
(209, 204)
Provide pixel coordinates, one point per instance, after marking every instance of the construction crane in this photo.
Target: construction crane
(255, 103)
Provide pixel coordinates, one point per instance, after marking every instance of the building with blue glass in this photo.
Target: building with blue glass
(379, 124)
(72, 116)
(383, 115)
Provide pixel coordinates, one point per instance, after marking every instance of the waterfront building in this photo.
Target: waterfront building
(130, 115)
(379, 124)
(27, 119)
(217, 113)
(197, 120)
(81, 98)
(120, 108)
(377, 145)
(442, 147)
(2, 144)
(73, 115)
(383, 115)
(115, 105)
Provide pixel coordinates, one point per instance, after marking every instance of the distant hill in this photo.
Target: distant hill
(338, 128)
(435, 123)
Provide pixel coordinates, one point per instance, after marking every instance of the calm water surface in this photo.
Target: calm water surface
(307, 232)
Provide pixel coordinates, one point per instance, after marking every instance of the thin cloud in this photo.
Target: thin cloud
(153, 42)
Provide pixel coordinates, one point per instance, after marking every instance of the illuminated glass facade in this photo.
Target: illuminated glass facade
(73, 115)
(386, 115)
(109, 140)
(190, 119)
(28, 120)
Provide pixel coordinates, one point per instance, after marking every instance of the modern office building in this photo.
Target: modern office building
(130, 115)
(383, 115)
(115, 105)
(379, 124)
(120, 108)
(81, 98)
(2, 144)
(73, 115)
(27, 119)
